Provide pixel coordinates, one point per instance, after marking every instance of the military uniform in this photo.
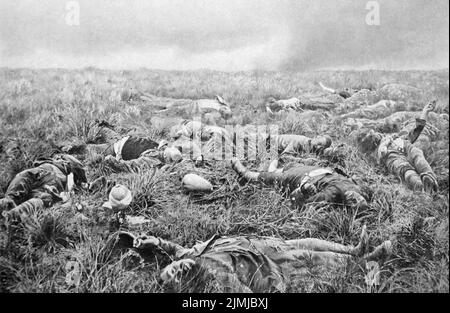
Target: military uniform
(310, 184)
(376, 111)
(275, 106)
(390, 124)
(44, 182)
(406, 161)
(301, 144)
(131, 147)
(263, 264)
(404, 123)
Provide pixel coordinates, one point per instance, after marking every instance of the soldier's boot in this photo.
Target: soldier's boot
(413, 180)
(382, 252)
(363, 245)
(6, 204)
(430, 183)
(243, 171)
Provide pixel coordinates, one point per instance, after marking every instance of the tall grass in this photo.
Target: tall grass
(41, 108)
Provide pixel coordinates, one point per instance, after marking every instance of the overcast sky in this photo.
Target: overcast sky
(225, 34)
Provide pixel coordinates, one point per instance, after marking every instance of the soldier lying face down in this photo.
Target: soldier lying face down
(308, 184)
(399, 154)
(39, 187)
(253, 263)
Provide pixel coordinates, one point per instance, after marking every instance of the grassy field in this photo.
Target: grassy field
(40, 109)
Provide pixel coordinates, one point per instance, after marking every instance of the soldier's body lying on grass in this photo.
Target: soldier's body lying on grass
(404, 122)
(41, 186)
(103, 137)
(252, 263)
(399, 154)
(276, 107)
(298, 144)
(308, 184)
(126, 153)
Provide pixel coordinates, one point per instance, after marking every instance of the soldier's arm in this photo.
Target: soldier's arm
(151, 243)
(321, 196)
(330, 90)
(421, 122)
(174, 249)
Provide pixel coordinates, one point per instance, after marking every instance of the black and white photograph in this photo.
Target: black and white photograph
(213, 147)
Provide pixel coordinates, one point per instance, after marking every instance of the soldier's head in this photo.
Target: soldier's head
(225, 112)
(175, 270)
(224, 109)
(355, 199)
(71, 165)
(6, 204)
(177, 131)
(367, 140)
(320, 143)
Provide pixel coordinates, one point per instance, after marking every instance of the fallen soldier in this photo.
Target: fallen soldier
(200, 106)
(253, 263)
(308, 184)
(298, 144)
(389, 124)
(130, 147)
(196, 130)
(399, 154)
(404, 122)
(43, 185)
(275, 106)
(201, 141)
(187, 148)
(379, 110)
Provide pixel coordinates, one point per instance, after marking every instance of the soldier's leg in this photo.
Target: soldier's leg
(423, 143)
(137, 165)
(115, 166)
(357, 123)
(142, 164)
(25, 209)
(354, 198)
(309, 258)
(399, 166)
(19, 190)
(100, 149)
(423, 168)
(382, 251)
(334, 259)
(48, 198)
(319, 245)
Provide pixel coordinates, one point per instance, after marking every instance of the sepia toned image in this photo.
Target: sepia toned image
(224, 146)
